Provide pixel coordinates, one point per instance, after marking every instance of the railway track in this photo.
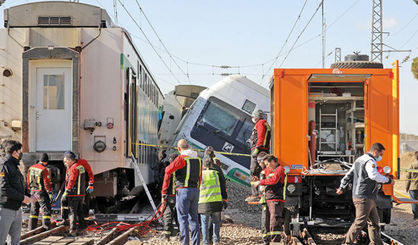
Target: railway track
(328, 236)
(59, 236)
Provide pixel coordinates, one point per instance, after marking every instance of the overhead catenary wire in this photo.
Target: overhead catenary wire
(301, 33)
(287, 39)
(149, 41)
(159, 39)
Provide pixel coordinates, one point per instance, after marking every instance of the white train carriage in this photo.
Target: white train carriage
(221, 117)
(72, 80)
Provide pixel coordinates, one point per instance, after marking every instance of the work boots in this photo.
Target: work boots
(33, 223)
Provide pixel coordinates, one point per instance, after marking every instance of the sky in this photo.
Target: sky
(248, 35)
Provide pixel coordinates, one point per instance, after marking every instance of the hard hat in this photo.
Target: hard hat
(258, 113)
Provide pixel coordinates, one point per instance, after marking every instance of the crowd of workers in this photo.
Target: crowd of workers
(36, 191)
(194, 191)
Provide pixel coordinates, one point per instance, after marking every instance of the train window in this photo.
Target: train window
(245, 131)
(220, 118)
(146, 84)
(152, 93)
(53, 92)
(248, 106)
(141, 76)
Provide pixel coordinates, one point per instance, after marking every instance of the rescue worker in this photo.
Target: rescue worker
(170, 214)
(216, 165)
(12, 192)
(412, 185)
(75, 189)
(39, 184)
(364, 176)
(188, 175)
(260, 142)
(89, 179)
(212, 192)
(274, 184)
(265, 215)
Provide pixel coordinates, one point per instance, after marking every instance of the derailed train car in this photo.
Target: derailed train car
(322, 120)
(72, 80)
(221, 117)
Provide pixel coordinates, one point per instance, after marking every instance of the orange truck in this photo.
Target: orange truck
(322, 120)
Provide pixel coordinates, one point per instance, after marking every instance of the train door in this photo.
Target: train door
(53, 109)
(131, 113)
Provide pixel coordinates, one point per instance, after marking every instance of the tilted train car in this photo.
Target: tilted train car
(322, 119)
(72, 80)
(221, 117)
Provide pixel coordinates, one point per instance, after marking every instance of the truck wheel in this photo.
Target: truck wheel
(356, 64)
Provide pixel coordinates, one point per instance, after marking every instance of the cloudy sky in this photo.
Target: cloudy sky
(203, 35)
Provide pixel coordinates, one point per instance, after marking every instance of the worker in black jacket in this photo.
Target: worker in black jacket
(12, 192)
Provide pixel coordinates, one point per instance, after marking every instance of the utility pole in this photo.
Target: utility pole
(323, 35)
(377, 32)
(115, 10)
(337, 55)
(376, 52)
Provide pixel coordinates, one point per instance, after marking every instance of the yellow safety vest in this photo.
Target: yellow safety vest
(210, 189)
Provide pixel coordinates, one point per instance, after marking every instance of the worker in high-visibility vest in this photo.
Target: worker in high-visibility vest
(260, 142)
(39, 184)
(188, 175)
(217, 165)
(75, 190)
(212, 191)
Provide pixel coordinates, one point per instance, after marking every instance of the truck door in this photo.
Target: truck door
(289, 95)
(382, 115)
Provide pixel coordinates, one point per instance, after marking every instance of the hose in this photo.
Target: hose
(143, 227)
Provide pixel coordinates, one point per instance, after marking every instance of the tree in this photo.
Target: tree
(414, 67)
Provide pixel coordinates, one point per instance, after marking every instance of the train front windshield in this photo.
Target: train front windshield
(224, 127)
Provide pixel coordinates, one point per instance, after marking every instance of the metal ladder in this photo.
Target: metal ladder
(333, 116)
(141, 178)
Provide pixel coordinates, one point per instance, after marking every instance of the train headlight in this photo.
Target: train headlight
(291, 188)
(387, 170)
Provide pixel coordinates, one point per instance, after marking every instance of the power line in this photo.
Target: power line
(300, 34)
(403, 27)
(149, 42)
(287, 39)
(159, 39)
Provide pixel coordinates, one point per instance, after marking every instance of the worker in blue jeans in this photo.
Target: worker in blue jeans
(212, 193)
(187, 169)
(412, 185)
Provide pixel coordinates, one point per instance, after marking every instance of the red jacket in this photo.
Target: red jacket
(178, 163)
(260, 137)
(274, 182)
(75, 180)
(87, 167)
(45, 178)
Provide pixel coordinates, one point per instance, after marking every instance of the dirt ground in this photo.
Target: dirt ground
(245, 229)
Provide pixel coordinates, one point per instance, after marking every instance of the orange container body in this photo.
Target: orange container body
(289, 113)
